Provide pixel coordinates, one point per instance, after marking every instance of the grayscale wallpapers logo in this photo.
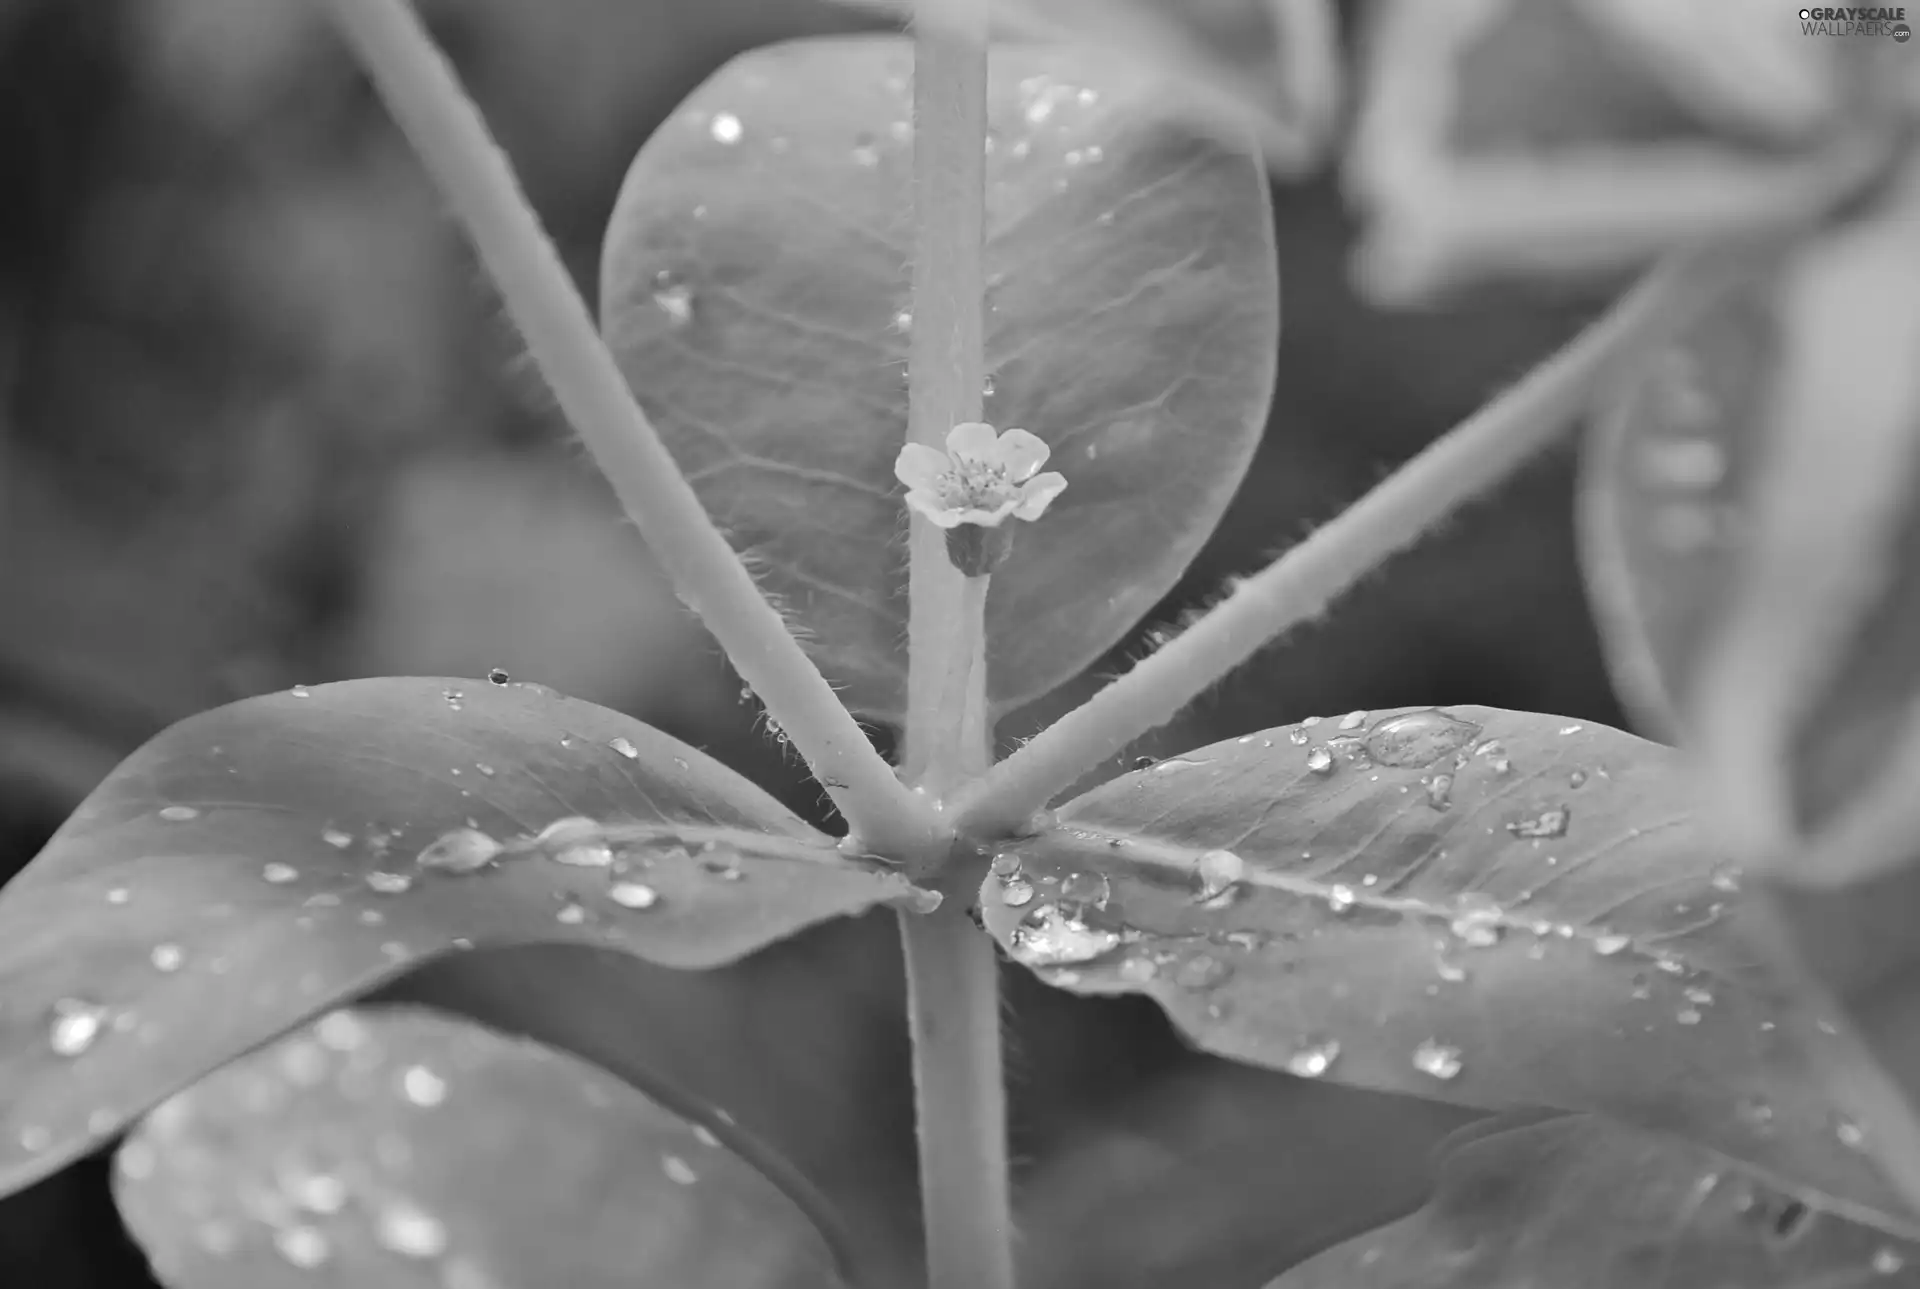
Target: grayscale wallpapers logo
(1883, 20)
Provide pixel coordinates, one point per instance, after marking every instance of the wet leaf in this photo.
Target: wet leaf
(1582, 1203)
(1131, 324)
(259, 862)
(1752, 542)
(1582, 136)
(1499, 909)
(1271, 64)
(407, 1148)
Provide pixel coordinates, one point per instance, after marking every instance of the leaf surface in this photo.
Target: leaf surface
(755, 287)
(403, 1148)
(1501, 909)
(257, 863)
(1579, 1202)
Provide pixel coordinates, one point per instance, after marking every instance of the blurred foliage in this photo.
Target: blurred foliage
(263, 423)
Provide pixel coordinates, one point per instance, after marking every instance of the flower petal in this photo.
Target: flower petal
(933, 509)
(1022, 453)
(919, 466)
(972, 441)
(1037, 493)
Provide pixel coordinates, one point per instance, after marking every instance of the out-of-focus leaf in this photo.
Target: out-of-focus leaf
(1752, 542)
(1577, 136)
(1272, 64)
(1582, 1203)
(254, 864)
(756, 288)
(404, 1148)
(1500, 909)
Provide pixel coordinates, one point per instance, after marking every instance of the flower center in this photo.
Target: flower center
(975, 484)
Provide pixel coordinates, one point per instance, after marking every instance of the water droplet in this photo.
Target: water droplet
(1201, 972)
(1851, 1134)
(498, 676)
(1046, 937)
(676, 301)
(455, 699)
(633, 895)
(464, 850)
(1437, 1060)
(1548, 823)
(1887, 1261)
(1754, 1112)
(1313, 1060)
(1086, 890)
(422, 1086)
(1477, 921)
(1353, 720)
(303, 1246)
(570, 914)
(340, 1031)
(1698, 996)
(1218, 870)
(336, 838)
(725, 128)
(300, 691)
(178, 814)
(586, 854)
(1451, 972)
(625, 748)
(118, 895)
(1417, 739)
(1320, 760)
(1340, 898)
(1439, 790)
(1173, 763)
(384, 883)
(76, 1024)
(1688, 1016)
(167, 957)
(315, 1192)
(410, 1231)
(280, 874)
(1005, 864)
(1016, 892)
(1726, 878)
(1609, 943)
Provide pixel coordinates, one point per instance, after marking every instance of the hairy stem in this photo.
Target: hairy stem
(954, 1003)
(945, 368)
(1455, 468)
(447, 131)
(960, 750)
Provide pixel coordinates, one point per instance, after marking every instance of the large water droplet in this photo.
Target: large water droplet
(1341, 898)
(279, 874)
(678, 1170)
(1851, 1134)
(726, 128)
(422, 1086)
(633, 895)
(1016, 892)
(76, 1024)
(1437, 1060)
(1548, 823)
(1319, 760)
(381, 882)
(336, 838)
(1085, 890)
(586, 854)
(1218, 870)
(410, 1231)
(1609, 943)
(178, 814)
(624, 746)
(1313, 1060)
(167, 957)
(1047, 937)
(1415, 739)
(464, 850)
(1353, 720)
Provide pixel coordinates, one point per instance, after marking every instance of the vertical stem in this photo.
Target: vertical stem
(953, 1001)
(959, 749)
(447, 131)
(945, 366)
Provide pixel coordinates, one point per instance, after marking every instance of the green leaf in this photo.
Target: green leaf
(259, 862)
(405, 1148)
(1581, 1203)
(1500, 909)
(756, 290)
(1752, 539)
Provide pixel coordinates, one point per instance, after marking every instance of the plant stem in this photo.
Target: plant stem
(960, 1096)
(945, 367)
(1456, 467)
(446, 129)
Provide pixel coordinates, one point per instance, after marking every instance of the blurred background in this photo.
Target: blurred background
(262, 422)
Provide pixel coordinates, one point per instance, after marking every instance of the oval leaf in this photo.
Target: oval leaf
(1132, 320)
(256, 863)
(1582, 1203)
(1496, 908)
(405, 1148)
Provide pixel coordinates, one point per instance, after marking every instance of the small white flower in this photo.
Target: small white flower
(980, 479)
